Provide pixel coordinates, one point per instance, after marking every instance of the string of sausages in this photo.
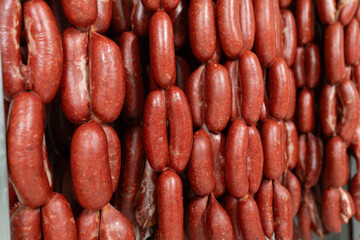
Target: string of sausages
(175, 119)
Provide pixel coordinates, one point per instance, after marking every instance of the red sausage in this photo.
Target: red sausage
(170, 206)
(26, 224)
(195, 218)
(312, 65)
(352, 42)
(306, 110)
(305, 22)
(289, 37)
(90, 166)
(328, 109)
(330, 209)
(25, 139)
(293, 186)
(80, 13)
(218, 142)
(87, 225)
(247, 20)
(232, 208)
(313, 161)
(120, 17)
(179, 19)
(57, 218)
(264, 200)
(103, 19)
(255, 160)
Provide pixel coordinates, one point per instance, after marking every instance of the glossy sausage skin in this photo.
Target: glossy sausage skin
(10, 27)
(57, 218)
(74, 88)
(120, 17)
(107, 74)
(330, 205)
(229, 27)
(80, 13)
(87, 225)
(103, 19)
(45, 55)
(279, 89)
(25, 224)
(218, 142)
(305, 22)
(292, 144)
(135, 95)
(293, 186)
(337, 162)
(313, 161)
(328, 109)
(201, 165)
(265, 33)
(247, 20)
(236, 175)
(89, 152)
(25, 149)
(282, 212)
(273, 164)
(218, 222)
(255, 160)
(352, 42)
(292, 102)
(250, 219)
(289, 37)
(264, 200)
(355, 194)
(170, 206)
(202, 39)
(169, 5)
(299, 67)
(334, 53)
(232, 208)
(306, 110)
(114, 225)
(312, 65)
(195, 218)
(162, 50)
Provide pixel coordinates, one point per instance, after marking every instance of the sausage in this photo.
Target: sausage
(229, 27)
(250, 222)
(328, 110)
(326, 11)
(179, 19)
(337, 162)
(155, 116)
(232, 208)
(312, 65)
(313, 161)
(107, 75)
(306, 110)
(273, 164)
(264, 200)
(74, 88)
(57, 218)
(347, 206)
(349, 99)
(140, 18)
(162, 50)
(218, 142)
(114, 152)
(354, 191)
(45, 55)
(265, 43)
(305, 22)
(25, 223)
(247, 22)
(232, 67)
(89, 152)
(170, 206)
(304, 217)
(299, 67)
(169, 5)
(236, 172)
(334, 53)
(282, 212)
(218, 222)
(80, 13)
(201, 165)
(135, 94)
(255, 160)
(180, 128)
(10, 27)
(103, 19)
(182, 72)
(146, 209)
(289, 37)
(120, 17)
(330, 208)
(251, 80)
(195, 218)
(217, 97)
(133, 158)
(284, 3)
(151, 5)
(302, 160)
(279, 28)
(352, 42)
(87, 225)
(25, 149)
(202, 39)
(347, 10)
(292, 144)
(114, 225)
(292, 184)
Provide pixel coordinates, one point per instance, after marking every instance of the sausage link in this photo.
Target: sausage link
(352, 42)
(236, 174)
(74, 88)
(80, 13)
(334, 53)
(250, 222)
(10, 27)
(202, 39)
(218, 142)
(289, 37)
(87, 225)
(299, 67)
(25, 149)
(140, 18)
(330, 208)
(114, 225)
(265, 44)
(195, 218)
(103, 19)
(305, 22)
(57, 218)
(302, 160)
(107, 74)
(284, 3)
(25, 224)
(306, 110)
(232, 208)
(279, 28)
(247, 22)
(304, 217)
(264, 200)
(135, 95)
(328, 110)
(292, 184)
(313, 161)
(355, 194)
(347, 206)
(232, 67)
(292, 144)
(45, 55)
(229, 27)
(162, 50)
(326, 11)
(120, 17)
(255, 160)
(170, 206)
(312, 65)
(151, 5)
(90, 166)
(346, 11)
(218, 222)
